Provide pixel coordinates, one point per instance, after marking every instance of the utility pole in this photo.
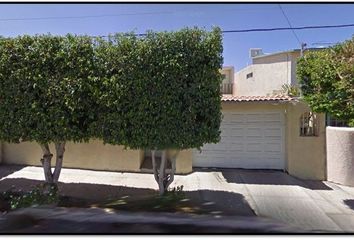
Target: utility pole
(303, 45)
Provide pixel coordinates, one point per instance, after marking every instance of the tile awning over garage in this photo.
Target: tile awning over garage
(231, 98)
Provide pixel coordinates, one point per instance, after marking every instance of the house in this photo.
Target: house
(261, 129)
(265, 129)
(267, 73)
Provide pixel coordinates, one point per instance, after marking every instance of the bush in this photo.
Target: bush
(40, 195)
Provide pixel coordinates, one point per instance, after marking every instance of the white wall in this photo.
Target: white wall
(340, 157)
(229, 74)
(269, 74)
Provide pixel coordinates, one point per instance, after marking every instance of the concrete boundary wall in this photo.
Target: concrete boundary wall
(93, 155)
(306, 155)
(340, 155)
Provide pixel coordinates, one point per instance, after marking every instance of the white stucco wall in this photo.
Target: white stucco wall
(340, 155)
(269, 74)
(229, 74)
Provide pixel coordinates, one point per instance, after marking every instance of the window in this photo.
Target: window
(334, 122)
(308, 124)
(223, 76)
(249, 75)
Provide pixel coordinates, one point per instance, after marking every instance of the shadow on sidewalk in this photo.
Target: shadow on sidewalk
(349, 203)
(84, 195)
(270, 177)
(6, 170)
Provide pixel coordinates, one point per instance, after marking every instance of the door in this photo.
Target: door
(251, 140)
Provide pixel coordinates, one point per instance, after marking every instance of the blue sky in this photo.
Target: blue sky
(142, 17)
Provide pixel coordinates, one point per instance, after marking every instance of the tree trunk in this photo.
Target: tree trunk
(173, 170)
(46, 163)
(60, 149)
(52, 177)
(164, 180)
(162, 173)
(154, 167)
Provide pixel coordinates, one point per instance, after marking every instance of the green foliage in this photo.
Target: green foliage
(45, 85)
(40, 195)
(160, 91)
(290, 90)
(172, 201)
(327, 80)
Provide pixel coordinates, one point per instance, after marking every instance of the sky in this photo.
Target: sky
(92, 19)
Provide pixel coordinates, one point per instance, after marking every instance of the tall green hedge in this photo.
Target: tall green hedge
(162, 90)
(45, 85)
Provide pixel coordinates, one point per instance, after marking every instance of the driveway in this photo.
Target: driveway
(307, 205)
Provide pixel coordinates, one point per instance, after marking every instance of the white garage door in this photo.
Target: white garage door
(253, 140)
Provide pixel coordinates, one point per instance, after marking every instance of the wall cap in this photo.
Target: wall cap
(345, 129)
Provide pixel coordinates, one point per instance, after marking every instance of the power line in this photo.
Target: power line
(288, 28)
(287, 19)
(269, 29)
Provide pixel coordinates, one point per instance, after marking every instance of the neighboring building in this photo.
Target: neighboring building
(228, 80)
(267, 73)
(260, 130)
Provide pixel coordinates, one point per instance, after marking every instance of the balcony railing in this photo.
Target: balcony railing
(226, 88)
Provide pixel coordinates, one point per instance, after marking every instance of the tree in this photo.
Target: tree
(45, 93)
(327, 80)
(161, 92)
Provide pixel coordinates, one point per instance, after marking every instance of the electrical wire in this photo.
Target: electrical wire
(289, 28)
(287, 19)
(269, 29)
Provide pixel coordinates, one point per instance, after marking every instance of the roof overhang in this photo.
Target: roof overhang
(272, 98)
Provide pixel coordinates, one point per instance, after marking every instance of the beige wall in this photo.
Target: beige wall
(92, 155)
(269, 74)
(294, 58)
(229, 74)
(340, 155)
(306, 155)
(184, 162)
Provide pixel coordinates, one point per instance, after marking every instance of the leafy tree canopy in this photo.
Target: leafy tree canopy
(45, 84)
(162, 90)
(327, 80)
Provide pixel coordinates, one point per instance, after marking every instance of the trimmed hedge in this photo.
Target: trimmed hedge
(160, 91)
(45, 85)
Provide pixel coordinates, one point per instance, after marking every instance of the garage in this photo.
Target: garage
(251, 140)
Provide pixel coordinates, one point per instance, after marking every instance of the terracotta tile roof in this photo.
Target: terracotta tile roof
(230, 98)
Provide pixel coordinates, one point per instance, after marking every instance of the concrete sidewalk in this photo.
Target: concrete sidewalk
(307, 205)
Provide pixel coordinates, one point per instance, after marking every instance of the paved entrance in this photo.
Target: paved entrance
(308, 205)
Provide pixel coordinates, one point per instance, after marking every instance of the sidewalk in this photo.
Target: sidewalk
(307, 205)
